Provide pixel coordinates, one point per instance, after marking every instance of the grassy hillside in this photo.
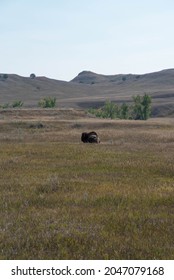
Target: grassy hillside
(89, 89)
(30, 91)
(62, 199)
(162, 78)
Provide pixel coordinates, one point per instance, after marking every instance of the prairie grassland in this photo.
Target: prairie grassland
(62, 199)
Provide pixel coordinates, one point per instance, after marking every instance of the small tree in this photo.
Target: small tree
(32, 76)
(142, 107)
(110, 110)
(124, 111)
(146, 103)
(137, 107)
(47, 102)
(5, 76)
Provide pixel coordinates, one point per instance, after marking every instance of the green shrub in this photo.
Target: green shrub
(109, 110)
(47, 102)
(5, 106)
(17, 104)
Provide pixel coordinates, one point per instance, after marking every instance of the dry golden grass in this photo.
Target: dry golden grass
(62, 199)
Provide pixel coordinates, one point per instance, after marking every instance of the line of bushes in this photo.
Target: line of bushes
(15, 104)
(140, 110)
(47, 102)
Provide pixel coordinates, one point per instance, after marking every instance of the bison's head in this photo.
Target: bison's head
(84, 137)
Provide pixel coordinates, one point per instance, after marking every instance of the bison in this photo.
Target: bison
(90, 137)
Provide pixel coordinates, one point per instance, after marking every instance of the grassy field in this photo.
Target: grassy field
(62, 199)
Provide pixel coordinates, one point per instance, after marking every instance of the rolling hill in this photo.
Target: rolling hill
(89, 89)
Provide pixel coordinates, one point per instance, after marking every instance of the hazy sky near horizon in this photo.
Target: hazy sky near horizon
(60, 38)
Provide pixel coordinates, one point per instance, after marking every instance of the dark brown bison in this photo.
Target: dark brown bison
(90, 137)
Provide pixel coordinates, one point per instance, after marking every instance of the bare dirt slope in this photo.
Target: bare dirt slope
(89, 89)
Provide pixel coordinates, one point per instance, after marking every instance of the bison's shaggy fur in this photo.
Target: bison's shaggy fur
(90, 137)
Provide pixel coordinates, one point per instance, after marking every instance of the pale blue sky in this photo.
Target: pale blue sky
(60, 38)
